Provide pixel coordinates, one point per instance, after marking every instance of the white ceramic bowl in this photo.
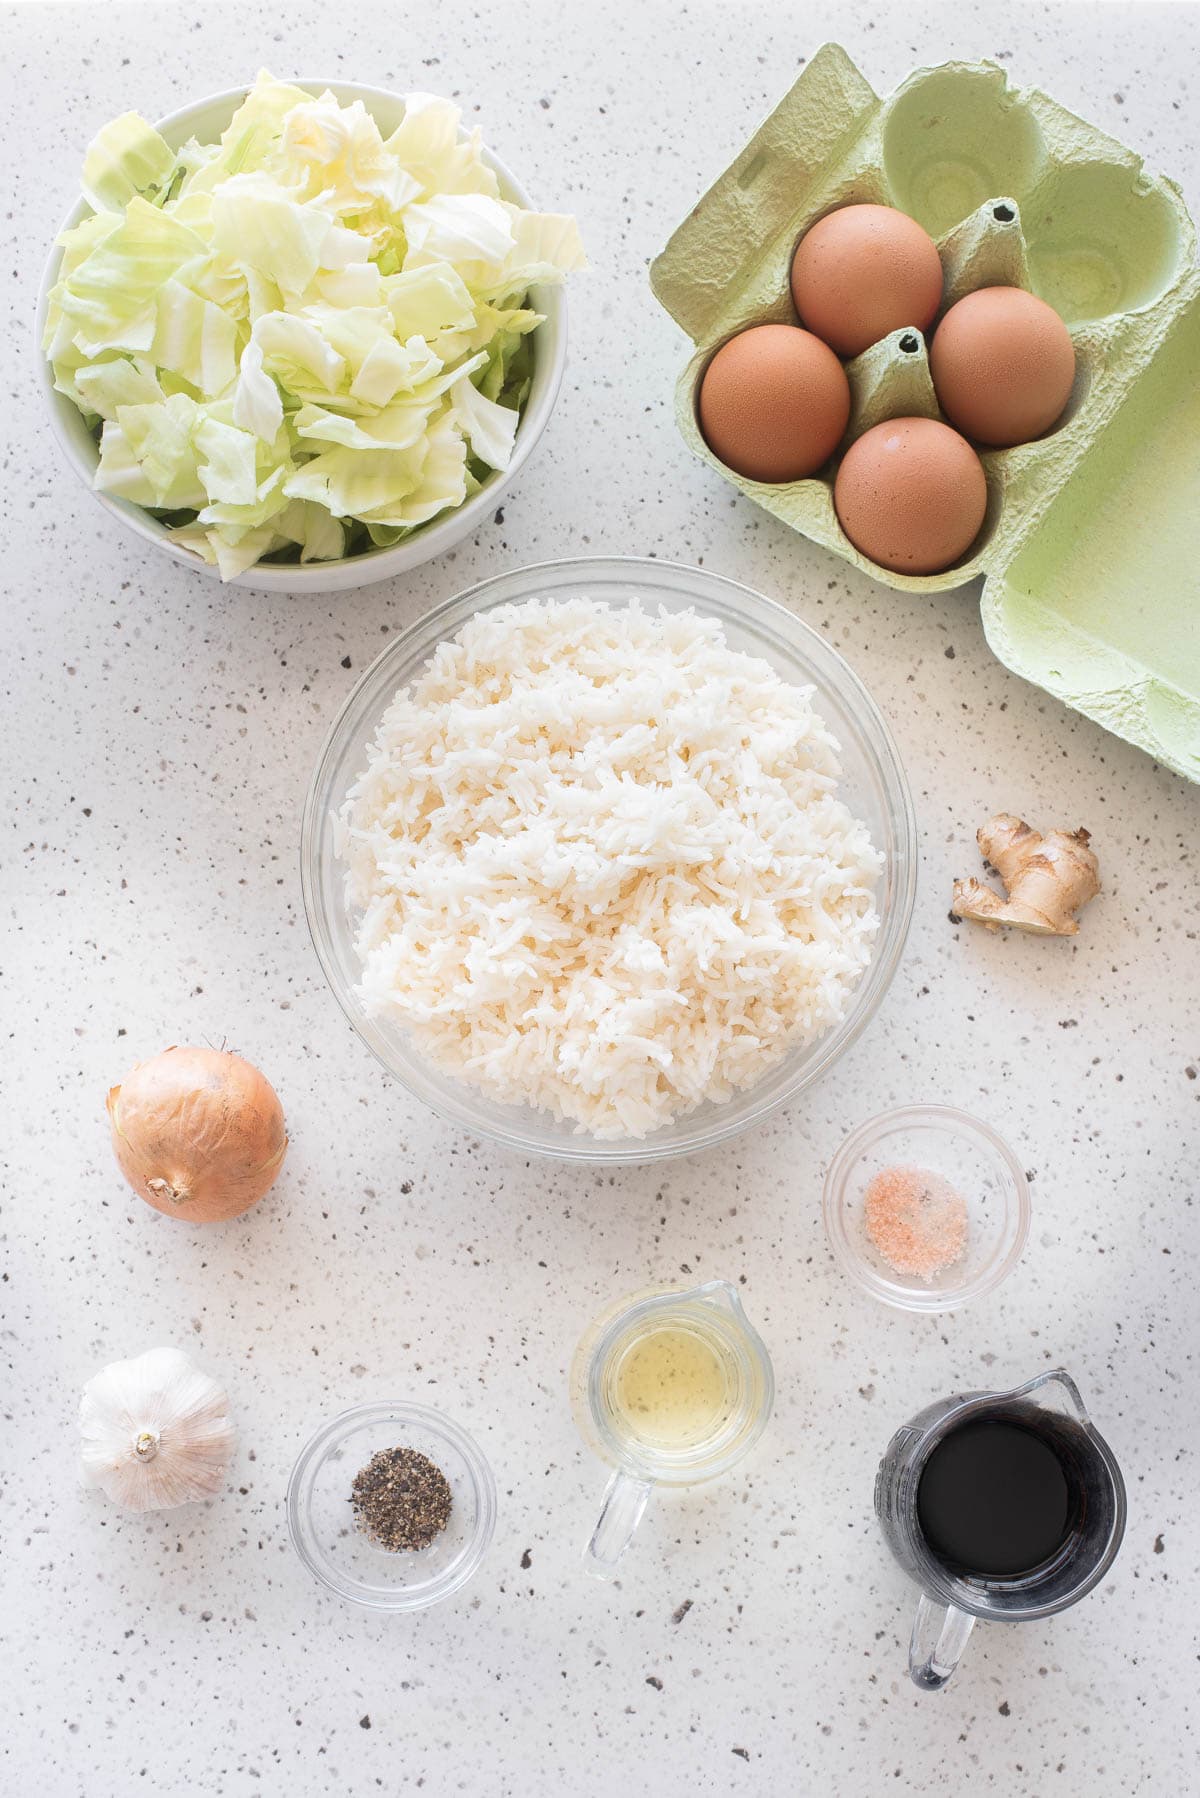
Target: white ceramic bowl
(205, 120)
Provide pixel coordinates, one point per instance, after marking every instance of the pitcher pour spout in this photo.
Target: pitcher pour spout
(721, 1292)
(1055, 1390)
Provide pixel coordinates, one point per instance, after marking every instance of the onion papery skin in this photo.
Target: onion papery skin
(198, 1133)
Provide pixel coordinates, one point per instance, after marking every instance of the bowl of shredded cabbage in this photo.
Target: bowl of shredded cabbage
(302, 336)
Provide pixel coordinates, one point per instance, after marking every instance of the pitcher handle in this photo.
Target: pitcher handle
(624, 1504)
(939, 1635)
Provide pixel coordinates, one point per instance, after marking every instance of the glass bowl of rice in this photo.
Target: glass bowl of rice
(871, 783)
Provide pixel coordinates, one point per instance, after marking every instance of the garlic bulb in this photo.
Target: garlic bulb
(156, 1432)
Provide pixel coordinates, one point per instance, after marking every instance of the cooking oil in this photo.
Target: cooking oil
(671, 1388)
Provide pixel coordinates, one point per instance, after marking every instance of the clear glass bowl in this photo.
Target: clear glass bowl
(975, 1161)
(330, 1543)
(873, 785)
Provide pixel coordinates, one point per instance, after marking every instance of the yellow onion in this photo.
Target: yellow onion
(198, 1133)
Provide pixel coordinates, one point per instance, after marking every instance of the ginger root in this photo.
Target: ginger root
(1047, 878)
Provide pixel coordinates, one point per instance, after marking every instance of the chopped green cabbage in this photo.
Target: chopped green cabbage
(304, 340)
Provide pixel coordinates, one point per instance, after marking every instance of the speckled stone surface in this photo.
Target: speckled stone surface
(158, 732)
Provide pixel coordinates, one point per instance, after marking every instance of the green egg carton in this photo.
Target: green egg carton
(1091, 541)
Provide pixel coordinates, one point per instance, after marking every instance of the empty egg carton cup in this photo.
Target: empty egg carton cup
(1092, 533)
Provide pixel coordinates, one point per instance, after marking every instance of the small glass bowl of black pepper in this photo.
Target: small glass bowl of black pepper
(395, 1452)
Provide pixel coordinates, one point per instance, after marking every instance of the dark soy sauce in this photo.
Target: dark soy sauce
(997, 1500)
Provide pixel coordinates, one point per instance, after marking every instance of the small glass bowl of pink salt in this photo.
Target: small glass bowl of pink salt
(926, 1207)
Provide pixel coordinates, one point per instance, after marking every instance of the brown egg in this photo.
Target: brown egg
(1003, 365)
(911, 495)
(863, 271)
(773, 403)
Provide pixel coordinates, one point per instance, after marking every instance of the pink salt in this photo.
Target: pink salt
(916, 1220)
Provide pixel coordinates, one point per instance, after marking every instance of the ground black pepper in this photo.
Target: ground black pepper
(400, 1499)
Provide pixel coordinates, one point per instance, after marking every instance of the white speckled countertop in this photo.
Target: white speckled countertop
(158, 733)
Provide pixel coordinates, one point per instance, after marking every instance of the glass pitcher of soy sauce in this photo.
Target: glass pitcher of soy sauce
(1001, 1505)
(671, 1386)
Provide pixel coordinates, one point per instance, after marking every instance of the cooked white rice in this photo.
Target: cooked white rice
(601, 867)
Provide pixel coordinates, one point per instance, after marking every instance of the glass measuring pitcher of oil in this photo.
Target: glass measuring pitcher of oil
(670, 1386)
